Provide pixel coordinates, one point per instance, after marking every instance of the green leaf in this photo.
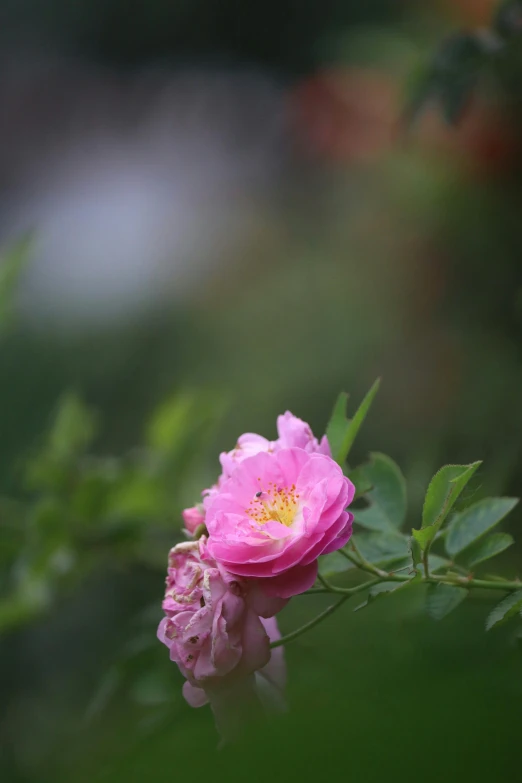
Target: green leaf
(443, 490)
(360, 481)
(382, 548)
(506, 609)
(170, 422)
(476, 521)
(387, 499)
(488, 547)
(443, 599)
(12, 264)
(334, 563)
(342, 431)
(438, 563)
(74, 428)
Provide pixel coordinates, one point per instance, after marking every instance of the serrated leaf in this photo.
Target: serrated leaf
(443, 599)
(475, 522)
(387, 498)
(506, 609)
(342, 431)
(486, 548)
(443, 490)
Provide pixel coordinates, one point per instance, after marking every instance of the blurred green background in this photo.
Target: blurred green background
(228, 223)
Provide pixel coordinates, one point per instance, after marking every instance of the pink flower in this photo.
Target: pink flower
(193, 518)
(269, 683)
(248, 445)
(292, 432)
(212, 632)
(276, 514)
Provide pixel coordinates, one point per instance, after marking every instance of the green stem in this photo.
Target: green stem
(306, 627)
(347, 592)
(426, 563)
(361, 562)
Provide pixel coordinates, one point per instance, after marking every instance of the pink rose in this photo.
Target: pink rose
(212, 632)
(294, 432)
(193, 518)
(248, 445)
(276, 514)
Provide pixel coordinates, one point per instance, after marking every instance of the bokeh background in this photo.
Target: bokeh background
(227, 215)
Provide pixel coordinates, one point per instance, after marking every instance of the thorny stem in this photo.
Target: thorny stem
(382, 576)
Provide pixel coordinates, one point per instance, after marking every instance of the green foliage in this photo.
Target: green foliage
(387, 499)
(477, 520)
(83, 507)
(461, 60)
(507, 21)
(485, 548)
(360, 480)
(505, 610)
(342, 431)
(443, 491)
(442, 599)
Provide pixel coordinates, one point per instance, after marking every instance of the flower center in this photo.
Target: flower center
(276, 504)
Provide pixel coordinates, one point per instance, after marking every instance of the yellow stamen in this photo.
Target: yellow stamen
(277, 504)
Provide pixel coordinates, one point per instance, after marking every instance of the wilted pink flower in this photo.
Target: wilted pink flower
(269, 683)
(193, 517)
(212, 632)
(276, 514)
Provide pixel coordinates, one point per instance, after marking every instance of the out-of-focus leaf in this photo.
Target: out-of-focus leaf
(387, 499)
(74, 428)
(171, 421)
(443, 599)
(451, 76)
(443, 490)
(382, 548)
(12, 263)
(505, 610)
(486, 548)
(475, 522)
(342, 431)
(334, 563)
(507, 21)
(360, 481)
(438, 563)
